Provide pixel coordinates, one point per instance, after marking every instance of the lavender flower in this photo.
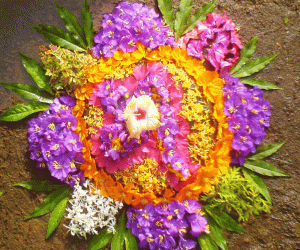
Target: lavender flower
(53, 141)
(128, 25)
(167, 226)
(248, 116)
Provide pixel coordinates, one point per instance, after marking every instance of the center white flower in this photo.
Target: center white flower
(141, 114)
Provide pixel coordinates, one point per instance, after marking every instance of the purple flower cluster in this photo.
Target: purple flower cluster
(127, 25)
(112, 138)
(217, 41)
(167, 226)
(248, 116)
(54, 143)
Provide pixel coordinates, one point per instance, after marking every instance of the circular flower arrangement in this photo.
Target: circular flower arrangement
(153, 125)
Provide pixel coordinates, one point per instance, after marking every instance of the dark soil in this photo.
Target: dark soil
(277, 25)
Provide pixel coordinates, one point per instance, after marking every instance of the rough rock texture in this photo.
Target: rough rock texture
(277, 25)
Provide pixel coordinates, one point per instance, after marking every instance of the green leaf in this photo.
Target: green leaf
(117, 241)
(58, 37)
(50, 202)
(224, 220)
(1, 193)
(217, 233)
(37, 72)
(258, 183)
(266, 150)
(206, 242)
(87, 20)
(20, 111)
(200, 15)
(29, 92)
(39, 186)
(56, 216)
(254, 66)
(264, 168)
(182, 15)
(246, 52)
(100, 240)
(166, 10)
(72, 24)
(130, 241)
(259, 83)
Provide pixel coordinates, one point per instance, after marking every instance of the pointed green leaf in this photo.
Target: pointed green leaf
(58, 37)
(50, 202)
(87, 20)
(259, 83)
(39, 186)
(165, 7)
(266, 150)
(29, 92)
(224, 220)
(130, 241)
(246, 52)
(264, 168)
(117, 241)
(217, 233)
(72, 24)
(206, 242)
(1, 193)
(254, 66)
(258, 183)
(20, 111)
(182, 15)
(37, 72)
(200, 15)
(56, 216)
(100, 240)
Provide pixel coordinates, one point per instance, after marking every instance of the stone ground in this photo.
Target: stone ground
(277, 25)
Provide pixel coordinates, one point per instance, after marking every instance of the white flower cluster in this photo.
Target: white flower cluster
(91, 211)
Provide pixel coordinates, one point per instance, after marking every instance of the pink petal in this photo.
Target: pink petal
(155, 68)
(140, 72)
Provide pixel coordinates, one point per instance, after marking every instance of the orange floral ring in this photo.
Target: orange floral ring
(218, 158)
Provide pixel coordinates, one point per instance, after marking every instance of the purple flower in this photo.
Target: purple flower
(163, 240)
(128, 25)
(186, 244)
(53, 141)
(248, 115)
(72, 142)
(61, 166)
(74, 178)
(169, 127)
(167, 226)
(191, 206)
(197, 223)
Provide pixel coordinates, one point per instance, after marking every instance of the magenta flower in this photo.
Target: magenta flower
(214, 40)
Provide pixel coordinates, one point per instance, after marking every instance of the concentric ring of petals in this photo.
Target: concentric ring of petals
(211, 85)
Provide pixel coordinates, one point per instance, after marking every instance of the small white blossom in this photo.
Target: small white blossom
(91, 211)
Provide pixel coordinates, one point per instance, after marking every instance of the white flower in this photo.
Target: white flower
(141, 114)
(91, 211)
